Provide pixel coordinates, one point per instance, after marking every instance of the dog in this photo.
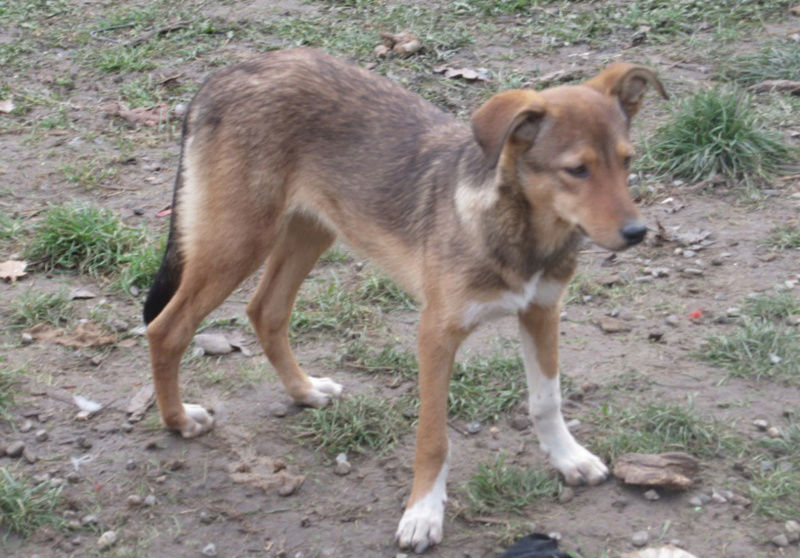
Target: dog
(283, 153)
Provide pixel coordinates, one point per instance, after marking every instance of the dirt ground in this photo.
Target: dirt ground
(65, 142)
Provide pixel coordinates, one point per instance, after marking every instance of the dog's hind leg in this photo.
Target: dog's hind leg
(539, 336)
(301, 243)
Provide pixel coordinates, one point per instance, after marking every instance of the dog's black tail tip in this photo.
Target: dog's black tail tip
(164, 286)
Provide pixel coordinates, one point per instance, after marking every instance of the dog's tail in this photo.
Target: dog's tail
(168, 277)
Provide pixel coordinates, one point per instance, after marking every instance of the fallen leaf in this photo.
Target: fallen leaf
(673, 470)
(468, 74)
(140, 402)
(11, 270)
(81, 294)
(6, 106)
(87, 334)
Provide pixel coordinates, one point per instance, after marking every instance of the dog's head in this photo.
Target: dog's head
(567, 149)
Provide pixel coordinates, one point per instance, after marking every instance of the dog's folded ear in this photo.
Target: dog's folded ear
(512, 117)
(627, 82)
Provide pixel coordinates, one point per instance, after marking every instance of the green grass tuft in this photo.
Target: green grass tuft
(498, 487)
(776, 494)
(84, 238)
(354, 425)
(775, 60)
(33, 307)
(657, 428)
(139, 267)
(24, 506)
(715, 131)
(380, 290)
(8, 387)
(484, 388)
(756, 349)
(785, 237)
(777, 306)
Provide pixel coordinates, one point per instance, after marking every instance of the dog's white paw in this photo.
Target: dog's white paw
(200, 421)
(578, 465)
(321, 392)
(421, 526)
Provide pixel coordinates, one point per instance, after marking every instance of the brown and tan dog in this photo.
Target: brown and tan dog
(285, 152)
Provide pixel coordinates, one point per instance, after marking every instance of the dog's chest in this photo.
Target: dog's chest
(542, 291)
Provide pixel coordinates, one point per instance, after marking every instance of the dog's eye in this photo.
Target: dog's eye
(581, 171)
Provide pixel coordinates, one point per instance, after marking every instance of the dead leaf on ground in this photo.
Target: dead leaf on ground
(668, 551)
(267, 474)
(81, 293)
(673, 470)
(468, 74)
(86, 334)
(11, 270)
(140, 402)
(6, 105)
(403, 44)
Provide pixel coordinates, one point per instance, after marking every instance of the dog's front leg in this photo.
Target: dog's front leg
(539, 336)
(421, 524)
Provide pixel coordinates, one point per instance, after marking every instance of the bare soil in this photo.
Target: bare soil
(197, 500)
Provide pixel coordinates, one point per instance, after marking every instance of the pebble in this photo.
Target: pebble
(761, 424)
(41, 435)
(520, 422)
(149, 500)
(126, 427)
(209, 550)
(213, 343)
(792, 526)
(640, 538)
(90, 519)
(130, 465)
(83, 443)
(781, 540)
(27, 426)
(26, 338)
(733, 312)
(474, 427)
(134, 500)
(73, 478)
(773, 432)
(278, 410)
(567, 494)
(672, 320)
(651, 495)
(107, 540)
(343, 466)
(718, 498)
(15, 449)
(119, 325)
(205, 518)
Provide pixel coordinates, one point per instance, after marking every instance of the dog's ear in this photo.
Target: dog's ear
(628, 83)
(512, 117)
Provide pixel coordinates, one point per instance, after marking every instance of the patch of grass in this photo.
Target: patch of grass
(88, 174)
(775, 60)
(658, 428)
(498, 487)
(328, 307)
(757, 349)
(776, 494)
(355, 425)
(139, 266)
(10, 228)
(387, 360)
(84, 238)
(788, 444)
(335, 255)
(24, 506)
(34, 307)
(124, 59)
(784, 237)
(715, 131)
(8, 384)
(378, 289)
(777, 306)
(484, 388)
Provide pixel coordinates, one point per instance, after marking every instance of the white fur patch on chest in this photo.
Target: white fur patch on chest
(545, 292)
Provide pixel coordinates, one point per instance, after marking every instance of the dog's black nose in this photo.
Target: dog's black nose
(633, 232)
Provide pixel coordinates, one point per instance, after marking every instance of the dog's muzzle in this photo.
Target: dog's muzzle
(633, 232)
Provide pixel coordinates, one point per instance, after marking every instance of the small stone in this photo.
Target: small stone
(73, 478)
(130, 465)
(718, 498)
(474, 427)
(213, 343)
(651, 495)
(520, 422)
(278, 410)
(83, 443)
(90, 519)
(206, 518)
(773, 432)
(26, 338)
(119, 325)
(134, 500)
(655, 336)
(555, 535)
(15, 449)
(29, 456)
(792, 526)
(27, 426)
(733, 312)
(780, 541)
(97, 360)
(149, 500)
(766, 465)
(761, 424)
(640, 538)
(41, 435)
(672, 320)
(134, 290)
(209, 550)
(343, 466)
(107, 540)
(126, 427)
(739, 500)
(567, 494)
(695, 502)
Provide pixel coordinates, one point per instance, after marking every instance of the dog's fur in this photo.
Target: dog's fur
(285, 152)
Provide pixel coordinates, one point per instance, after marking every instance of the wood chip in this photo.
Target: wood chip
(140, 402)
(674, 470)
